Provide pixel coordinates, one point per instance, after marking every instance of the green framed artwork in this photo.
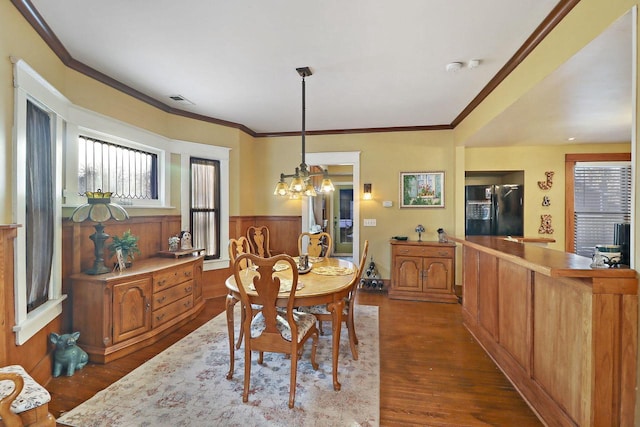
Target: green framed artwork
(422, 189)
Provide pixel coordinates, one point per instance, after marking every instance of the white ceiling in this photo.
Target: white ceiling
(376, 63)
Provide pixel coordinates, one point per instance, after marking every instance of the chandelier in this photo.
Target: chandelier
(301, 184)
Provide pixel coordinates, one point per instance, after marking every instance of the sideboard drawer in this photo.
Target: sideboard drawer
(172, 310)
(166, 297)
(425, 251)
(166, 279)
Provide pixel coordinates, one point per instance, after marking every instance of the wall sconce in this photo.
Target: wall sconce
(367, 192)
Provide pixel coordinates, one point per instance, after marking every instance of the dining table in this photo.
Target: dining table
(327, 282)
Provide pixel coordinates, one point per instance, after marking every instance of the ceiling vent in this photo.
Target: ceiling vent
(181, 99)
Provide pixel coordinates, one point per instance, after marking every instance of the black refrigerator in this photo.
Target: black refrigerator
(494, 210)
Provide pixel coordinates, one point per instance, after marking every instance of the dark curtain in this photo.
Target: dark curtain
(39, 205)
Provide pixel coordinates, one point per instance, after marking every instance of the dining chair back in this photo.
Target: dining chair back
(316, 245)
(272, 329)
(259, 240)
(238, 247)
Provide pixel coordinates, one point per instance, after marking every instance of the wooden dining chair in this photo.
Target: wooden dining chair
(316, 245)
(323, 314)
(238, 247)
(259, 240)
(23, 402)
(273, 330)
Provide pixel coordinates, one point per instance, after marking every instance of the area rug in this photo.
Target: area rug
(186, 385)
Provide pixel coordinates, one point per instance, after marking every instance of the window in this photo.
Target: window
(40, 123)
(126, 172)
(103, 153)
(602, 198)
(204, 206)
(211, 165)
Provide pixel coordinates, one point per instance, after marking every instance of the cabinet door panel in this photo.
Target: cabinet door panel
(488, 293)
(470, 281)
(437, 273)
(409, 274)
(131, 309)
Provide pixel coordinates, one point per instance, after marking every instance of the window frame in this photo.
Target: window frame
(29, 85)
(94, 125)
(215, 210)
(211, 152)
(569, 170)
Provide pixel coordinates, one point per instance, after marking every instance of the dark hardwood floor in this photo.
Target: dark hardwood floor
(432, 372)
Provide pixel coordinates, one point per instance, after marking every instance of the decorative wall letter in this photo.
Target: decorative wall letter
(545, 224)
(546, 185)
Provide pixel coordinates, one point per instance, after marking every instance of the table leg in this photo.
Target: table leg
(336, 309)
(230, 303)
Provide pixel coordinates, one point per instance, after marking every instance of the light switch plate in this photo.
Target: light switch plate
(387, 203)
(368, 222)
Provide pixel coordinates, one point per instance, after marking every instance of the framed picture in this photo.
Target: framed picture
(121, 265)
(422, 189)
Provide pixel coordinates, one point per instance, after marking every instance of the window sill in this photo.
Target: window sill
(216, 264)
(38, 319)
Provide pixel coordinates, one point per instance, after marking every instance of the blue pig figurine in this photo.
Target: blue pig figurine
(67, 353)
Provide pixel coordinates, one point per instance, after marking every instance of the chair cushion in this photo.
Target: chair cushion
(32, 395)
(304, 321)
(321, 309)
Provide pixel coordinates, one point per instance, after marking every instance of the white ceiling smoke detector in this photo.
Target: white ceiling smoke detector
(452, 67)
(473, 63)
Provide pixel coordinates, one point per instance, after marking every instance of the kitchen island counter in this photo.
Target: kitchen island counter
(563, 333)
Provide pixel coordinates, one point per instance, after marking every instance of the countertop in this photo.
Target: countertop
(551, 262)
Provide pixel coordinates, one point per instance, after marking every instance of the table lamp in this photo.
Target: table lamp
(99, 209)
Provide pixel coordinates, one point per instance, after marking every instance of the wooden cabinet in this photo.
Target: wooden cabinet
(422, 271)
(565, 334)
(118, 313)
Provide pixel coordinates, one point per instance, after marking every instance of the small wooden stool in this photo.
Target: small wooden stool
(23, 402)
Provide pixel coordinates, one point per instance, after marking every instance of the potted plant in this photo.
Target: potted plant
(128, 244)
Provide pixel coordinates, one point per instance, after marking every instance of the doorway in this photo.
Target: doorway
(343, 220)
(340, 158)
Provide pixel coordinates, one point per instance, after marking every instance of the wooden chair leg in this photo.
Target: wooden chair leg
(241, 333)
(247, 373)
(292, 383)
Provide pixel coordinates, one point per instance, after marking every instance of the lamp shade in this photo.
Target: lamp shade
(327, 185)
(99, 209)
(282, 189)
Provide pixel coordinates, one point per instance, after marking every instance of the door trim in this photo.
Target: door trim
(338, 158)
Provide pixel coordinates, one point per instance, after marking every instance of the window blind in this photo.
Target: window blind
(205, 202)
(602, 198)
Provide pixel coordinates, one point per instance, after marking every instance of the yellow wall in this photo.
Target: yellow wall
(535, 161)
(382, 157)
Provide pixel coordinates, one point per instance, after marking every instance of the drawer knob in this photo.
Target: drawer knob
(187, 290)
(161, 299)
(187, 273)
(160, 317)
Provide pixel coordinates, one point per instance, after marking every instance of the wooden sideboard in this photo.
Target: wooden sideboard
(121, 312)
(422, 271)
(563, 333)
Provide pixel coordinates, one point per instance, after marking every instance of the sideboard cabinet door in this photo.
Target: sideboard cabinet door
(131, 309)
